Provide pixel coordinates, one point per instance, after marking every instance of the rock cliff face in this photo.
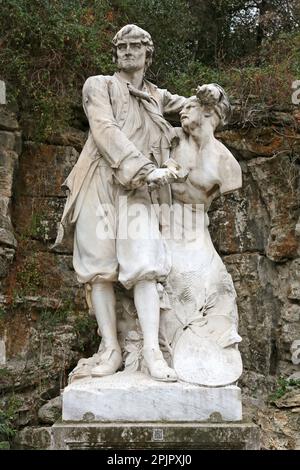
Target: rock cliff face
(44, 324)
(256, 229)
(10, 145)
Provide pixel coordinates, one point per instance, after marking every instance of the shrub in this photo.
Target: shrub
(47, 50)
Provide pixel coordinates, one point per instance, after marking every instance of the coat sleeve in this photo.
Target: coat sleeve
(172, 104)
(129, 164)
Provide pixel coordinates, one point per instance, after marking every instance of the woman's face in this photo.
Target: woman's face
(191, 115)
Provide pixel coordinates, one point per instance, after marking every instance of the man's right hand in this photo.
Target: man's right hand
(159, 177)
(208, 94)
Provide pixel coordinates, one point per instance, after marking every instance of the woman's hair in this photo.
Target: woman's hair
(220, 106)
(138, 33)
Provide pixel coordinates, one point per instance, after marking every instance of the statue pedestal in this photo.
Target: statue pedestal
(142, 436)
(136, 397)
(133, 411)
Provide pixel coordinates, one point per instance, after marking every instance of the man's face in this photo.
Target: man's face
(131, 54)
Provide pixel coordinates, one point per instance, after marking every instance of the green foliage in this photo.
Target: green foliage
(5, 372)
(29, 278)
(85, 327)
(7, 417)
(48, 49)
(49, 318)
(2, 313)
(284, 386)
(4, 445)
(231, 29)
(283, 52)
(172, 28)
(196, 73)
(6, 379)
(37, 229)
(267, 84)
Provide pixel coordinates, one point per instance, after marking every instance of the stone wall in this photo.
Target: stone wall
(44, 324)
(10, 149)
(257, 231)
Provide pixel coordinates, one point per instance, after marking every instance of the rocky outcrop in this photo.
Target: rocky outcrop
(10, 149)
(51, 411)
(256, 229)
(44, 327)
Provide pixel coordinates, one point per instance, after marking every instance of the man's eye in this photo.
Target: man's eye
(136, 46)
(121, 47)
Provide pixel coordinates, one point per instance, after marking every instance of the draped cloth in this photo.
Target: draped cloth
(151, 106)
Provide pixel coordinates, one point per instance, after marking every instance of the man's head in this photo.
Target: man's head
(133, 48)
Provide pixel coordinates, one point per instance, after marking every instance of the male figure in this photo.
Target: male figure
(128, 141)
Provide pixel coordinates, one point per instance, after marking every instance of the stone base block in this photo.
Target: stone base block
(141, 436)
(135, 397)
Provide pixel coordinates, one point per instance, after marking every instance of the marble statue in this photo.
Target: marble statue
(136, 210)
(128, 142)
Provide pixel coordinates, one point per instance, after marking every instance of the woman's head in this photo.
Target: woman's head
(210, 104)
(214, 100)
(191, 114)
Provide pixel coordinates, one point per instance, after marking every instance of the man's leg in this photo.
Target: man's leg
(147, 304)
(141, 254)
(104, 305)
(146, 301)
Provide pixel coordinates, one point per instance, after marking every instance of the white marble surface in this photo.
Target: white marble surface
(206, 353)
(137, 397)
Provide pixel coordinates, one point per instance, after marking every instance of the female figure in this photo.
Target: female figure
(201, 324)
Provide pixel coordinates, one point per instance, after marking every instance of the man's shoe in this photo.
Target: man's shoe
(157, 366)
(110, 362)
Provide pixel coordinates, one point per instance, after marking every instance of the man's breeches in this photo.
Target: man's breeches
(117, 234)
